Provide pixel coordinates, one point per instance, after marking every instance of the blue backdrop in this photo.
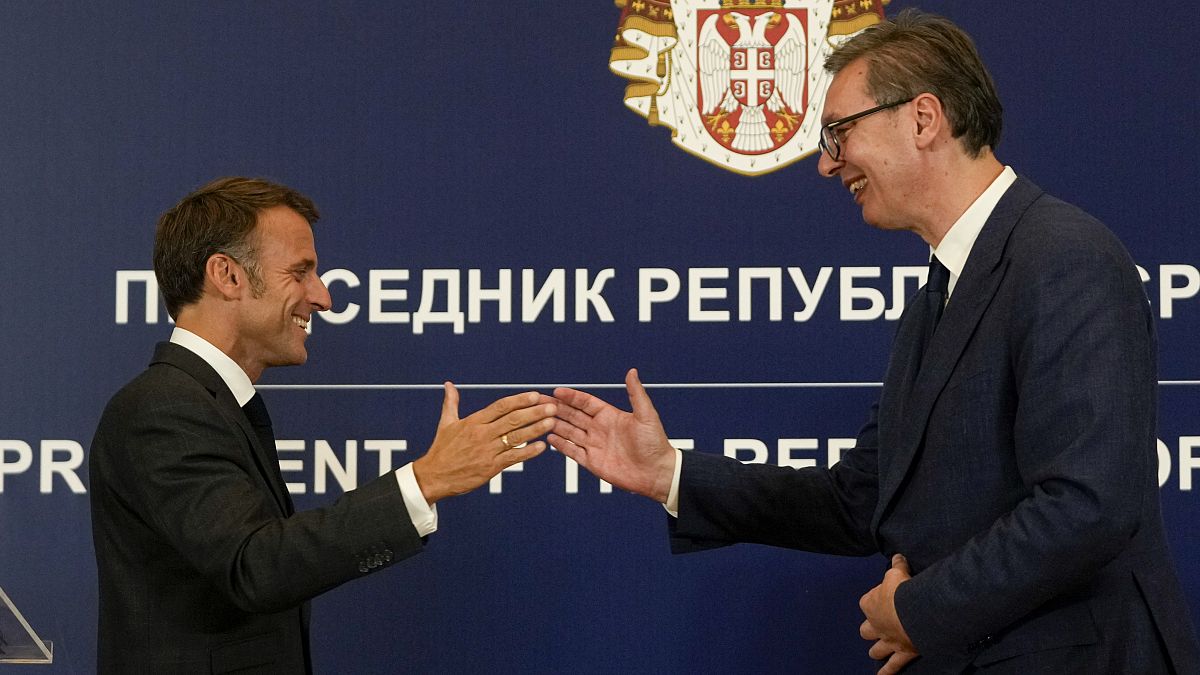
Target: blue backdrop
(493, 136)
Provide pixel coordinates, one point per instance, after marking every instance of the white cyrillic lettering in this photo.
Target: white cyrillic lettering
(774, 277)
(67, 468)
(21, 465)
(1187, 461)
(554, 289)
(648, 296)
(698, 293)
(126, 279)
(477, 295)
(1168, 292)
(586, 295)
(810, 296)
(377, 295)
(325, 462)
(496, 484)
(329, 278)
(787, 445)
(753, 445)
(452, 314)
(385, 448)
(899, 292)
(1145, 276)
(291, 465)
(850, 293)
(1164, 463)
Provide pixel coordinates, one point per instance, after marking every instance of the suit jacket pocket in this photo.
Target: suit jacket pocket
(252, 654)
(1062, 626)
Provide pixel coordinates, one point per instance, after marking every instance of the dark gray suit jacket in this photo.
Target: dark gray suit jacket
(1014, 465)
(201, 570)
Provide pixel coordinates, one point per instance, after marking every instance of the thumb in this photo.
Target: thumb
(638, 398)
(449, 405)
(900, 563)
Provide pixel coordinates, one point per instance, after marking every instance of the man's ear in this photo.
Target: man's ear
(931, 119)
(225, 277)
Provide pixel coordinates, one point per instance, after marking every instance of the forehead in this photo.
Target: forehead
(284, 237)
(847, 93)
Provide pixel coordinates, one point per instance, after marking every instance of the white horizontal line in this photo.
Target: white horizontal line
(591, 385)
(610, 385)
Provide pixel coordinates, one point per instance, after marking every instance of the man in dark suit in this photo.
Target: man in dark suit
(204, 566)
(1008, 470)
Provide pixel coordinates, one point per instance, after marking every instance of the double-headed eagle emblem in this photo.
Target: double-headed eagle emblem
(740, 83)
(752, 74)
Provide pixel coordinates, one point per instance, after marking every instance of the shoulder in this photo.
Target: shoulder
(1052, 236)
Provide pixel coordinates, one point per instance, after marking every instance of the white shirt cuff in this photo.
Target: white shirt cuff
(422, 515)
(672, 505)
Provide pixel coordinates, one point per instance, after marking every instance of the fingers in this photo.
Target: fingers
(896, 662)
(537, 427)
(638, 398)
(568, 447)
(580, 400)
(449, 405)
(515, 455)
(506, 406)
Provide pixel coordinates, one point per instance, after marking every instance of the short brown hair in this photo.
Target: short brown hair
(914, 53)
(218, 218)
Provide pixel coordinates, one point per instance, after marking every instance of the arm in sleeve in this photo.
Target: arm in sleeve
(722, 501)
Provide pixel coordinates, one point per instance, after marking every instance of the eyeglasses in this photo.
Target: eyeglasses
(831, 140)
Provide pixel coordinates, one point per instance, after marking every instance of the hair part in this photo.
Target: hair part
(220, 217)
(915, 53)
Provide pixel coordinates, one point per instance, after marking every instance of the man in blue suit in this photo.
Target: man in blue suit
(1008, 470)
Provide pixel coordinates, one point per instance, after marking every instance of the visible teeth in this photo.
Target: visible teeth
(300, 322)
(858, 185)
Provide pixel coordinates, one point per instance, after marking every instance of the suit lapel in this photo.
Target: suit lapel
(914, 383)
(265, 459)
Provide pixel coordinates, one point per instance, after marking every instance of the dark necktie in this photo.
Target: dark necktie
(934, 298)
(260, 420)
(936, 290)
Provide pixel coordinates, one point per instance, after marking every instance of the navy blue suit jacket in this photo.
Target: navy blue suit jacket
(1014, 465)
(203, 568)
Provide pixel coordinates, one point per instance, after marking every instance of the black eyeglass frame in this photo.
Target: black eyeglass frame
(829, 142)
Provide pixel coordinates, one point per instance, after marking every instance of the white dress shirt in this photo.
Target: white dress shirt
(953, 251)
(423, 516)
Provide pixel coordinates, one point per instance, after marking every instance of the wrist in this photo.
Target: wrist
(426, 481)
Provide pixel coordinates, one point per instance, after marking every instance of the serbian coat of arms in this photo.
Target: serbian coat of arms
(740, 83)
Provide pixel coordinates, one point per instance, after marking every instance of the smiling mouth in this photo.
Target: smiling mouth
(300, 321)
(857, 186)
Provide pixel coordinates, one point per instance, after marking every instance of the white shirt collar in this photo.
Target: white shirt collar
(234, 377)
(960, 239)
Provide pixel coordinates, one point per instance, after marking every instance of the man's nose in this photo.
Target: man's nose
(319, 294)
(828, 166)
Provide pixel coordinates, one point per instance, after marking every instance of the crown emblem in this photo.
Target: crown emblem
(751, 4)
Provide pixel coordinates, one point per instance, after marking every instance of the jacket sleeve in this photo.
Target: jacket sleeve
(722, 501)
(184, 470)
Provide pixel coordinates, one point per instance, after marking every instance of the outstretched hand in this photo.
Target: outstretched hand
(467, 452)
(628, 449)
